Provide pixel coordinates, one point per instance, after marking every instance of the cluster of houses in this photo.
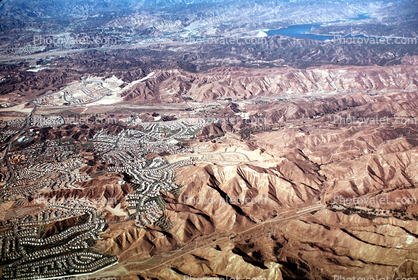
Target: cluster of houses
(75, 94)
(13, 124)
(13, 190)
(6, 133)
(55, 164)
(74, 263)
(149, 215)
(126, 152)
(58, 254)
(50, 121)
(33, 167)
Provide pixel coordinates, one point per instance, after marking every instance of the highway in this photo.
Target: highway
(284, 216)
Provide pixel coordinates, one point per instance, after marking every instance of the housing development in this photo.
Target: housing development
(38, 168)
(208, 139)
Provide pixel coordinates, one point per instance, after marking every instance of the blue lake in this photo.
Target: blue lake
(300, 30)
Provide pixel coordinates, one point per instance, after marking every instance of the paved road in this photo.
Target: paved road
(298, 213)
